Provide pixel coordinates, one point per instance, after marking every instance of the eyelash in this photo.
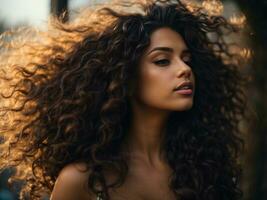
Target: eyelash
(158, 62)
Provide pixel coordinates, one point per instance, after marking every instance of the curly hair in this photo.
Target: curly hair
(64, 94)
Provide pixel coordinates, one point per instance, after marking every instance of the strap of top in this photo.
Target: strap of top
(99, 196)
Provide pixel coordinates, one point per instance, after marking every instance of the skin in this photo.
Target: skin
(152, 101)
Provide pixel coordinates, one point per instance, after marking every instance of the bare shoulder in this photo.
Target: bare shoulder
(71, 183)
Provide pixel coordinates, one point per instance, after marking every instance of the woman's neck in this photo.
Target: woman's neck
(145, 136)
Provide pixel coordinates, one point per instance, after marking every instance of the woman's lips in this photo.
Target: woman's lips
(184, 91)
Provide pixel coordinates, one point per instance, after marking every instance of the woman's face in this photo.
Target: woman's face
(163, 67)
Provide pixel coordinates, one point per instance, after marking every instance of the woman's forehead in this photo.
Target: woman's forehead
(166, 37)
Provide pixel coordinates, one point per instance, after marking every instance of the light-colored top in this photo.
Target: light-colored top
(99, 196)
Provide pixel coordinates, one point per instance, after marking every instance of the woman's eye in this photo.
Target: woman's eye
(187, 59)
(162, 62)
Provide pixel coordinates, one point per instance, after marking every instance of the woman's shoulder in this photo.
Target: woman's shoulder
(72, 183)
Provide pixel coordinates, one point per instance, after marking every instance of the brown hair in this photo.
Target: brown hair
(65, 99)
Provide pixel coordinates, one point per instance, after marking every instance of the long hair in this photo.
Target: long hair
(64, 99)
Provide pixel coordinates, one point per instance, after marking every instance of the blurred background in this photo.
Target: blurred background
(16, 13)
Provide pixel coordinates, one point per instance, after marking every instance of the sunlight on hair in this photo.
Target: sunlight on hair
(246, 53)
(213, 7)
(238, 20)
(192, 6)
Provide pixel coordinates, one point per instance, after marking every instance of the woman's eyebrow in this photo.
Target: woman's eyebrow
(161, 49)
(167, 49)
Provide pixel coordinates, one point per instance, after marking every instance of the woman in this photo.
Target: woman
(123, 103)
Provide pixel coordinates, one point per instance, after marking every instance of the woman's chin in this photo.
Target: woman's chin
(184, 107)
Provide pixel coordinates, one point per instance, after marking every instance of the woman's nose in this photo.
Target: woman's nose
(183, 70)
